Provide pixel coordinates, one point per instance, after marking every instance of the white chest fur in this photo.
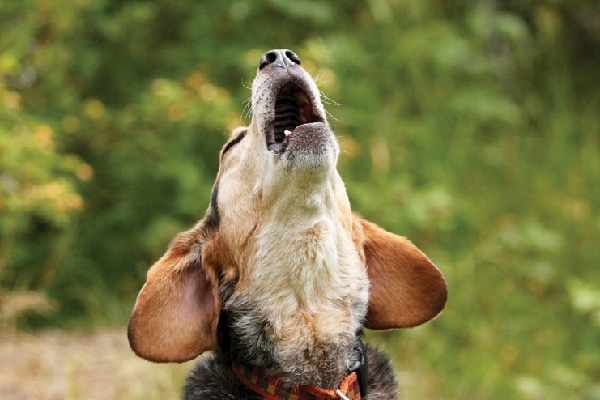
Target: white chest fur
(306, 278)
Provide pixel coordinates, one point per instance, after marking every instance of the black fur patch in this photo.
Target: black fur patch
(215, 216)
(212, 378)
(233, 142)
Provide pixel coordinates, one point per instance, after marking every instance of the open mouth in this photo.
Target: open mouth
(293, 108)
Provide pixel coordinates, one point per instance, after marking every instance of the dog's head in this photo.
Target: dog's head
(277, 180)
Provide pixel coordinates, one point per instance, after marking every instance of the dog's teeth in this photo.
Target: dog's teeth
(287, 133)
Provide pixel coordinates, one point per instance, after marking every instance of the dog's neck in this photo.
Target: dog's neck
(304, 293)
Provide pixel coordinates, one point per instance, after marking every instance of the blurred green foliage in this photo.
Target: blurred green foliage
(471, 127)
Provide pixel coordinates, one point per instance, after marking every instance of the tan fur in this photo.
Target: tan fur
(178, 302)
(287, 241)
(401, 276)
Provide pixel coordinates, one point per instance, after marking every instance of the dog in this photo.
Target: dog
(279, 278)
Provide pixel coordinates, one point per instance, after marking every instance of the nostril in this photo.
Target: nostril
(293, 57)
(279, 58)
(268, 58)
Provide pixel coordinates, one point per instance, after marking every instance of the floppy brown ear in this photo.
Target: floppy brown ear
(176, 313)
(406, 288)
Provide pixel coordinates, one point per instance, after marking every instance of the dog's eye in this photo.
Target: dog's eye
(233, 142)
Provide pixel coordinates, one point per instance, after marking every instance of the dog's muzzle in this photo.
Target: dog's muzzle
(294, 98)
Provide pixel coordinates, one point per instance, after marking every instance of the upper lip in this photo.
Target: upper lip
(294, 105)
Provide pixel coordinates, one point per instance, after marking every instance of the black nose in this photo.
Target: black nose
(279, 58)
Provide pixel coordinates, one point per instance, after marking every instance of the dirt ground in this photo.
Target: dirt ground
(60, 365)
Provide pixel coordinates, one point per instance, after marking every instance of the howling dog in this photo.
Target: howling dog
(279, 278)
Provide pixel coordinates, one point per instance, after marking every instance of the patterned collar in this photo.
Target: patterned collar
(272, 388)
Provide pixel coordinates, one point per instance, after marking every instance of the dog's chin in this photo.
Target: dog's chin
(310, 147)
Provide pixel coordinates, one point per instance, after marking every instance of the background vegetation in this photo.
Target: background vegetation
(472, 127)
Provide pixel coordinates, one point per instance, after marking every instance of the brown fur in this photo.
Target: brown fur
(280, 273)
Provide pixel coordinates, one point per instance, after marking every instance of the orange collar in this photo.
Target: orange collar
(272, 388)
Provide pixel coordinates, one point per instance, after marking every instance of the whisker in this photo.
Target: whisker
(317, 78)
(247, 110)
(246, 84)
(331, 116)
(329, 101)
